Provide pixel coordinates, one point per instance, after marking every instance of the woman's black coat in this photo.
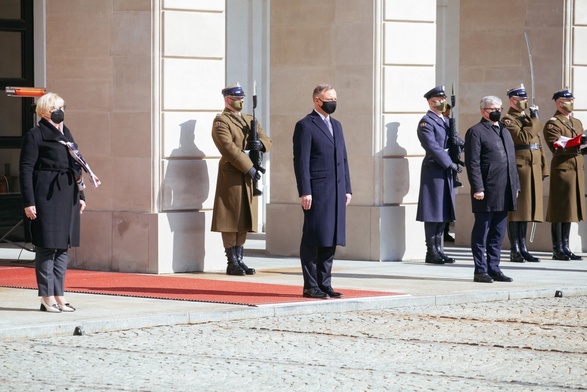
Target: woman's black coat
(47, 181)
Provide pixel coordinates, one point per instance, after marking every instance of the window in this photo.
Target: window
(16, 69)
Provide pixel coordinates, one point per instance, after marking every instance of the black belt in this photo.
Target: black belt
(533, 146)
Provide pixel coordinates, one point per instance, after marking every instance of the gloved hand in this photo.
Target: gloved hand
(583, 138)
(533, 111)
(457, 141)
(455, 167)
(254, 174)
(255, 145)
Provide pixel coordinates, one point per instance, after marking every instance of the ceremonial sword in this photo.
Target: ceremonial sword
(533, 99)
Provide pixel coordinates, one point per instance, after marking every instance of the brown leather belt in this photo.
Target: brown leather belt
(533, 146)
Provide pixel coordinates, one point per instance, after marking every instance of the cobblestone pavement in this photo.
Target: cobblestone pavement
(517, 345)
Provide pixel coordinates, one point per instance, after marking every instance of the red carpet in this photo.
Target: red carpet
(172, 287)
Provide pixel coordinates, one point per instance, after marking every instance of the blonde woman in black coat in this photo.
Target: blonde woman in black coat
(52, 200)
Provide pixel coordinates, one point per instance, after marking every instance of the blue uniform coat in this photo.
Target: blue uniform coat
(490, 159)
(436, 201)
(321, 170)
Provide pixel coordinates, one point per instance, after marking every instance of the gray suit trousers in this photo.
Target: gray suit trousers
(50, 267)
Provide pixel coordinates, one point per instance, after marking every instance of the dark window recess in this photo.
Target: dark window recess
(16, 69)
(16, 114)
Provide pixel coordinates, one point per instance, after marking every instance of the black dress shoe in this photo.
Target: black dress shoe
(482, 278)
(315, 293)
(500, 277)
(331, 292)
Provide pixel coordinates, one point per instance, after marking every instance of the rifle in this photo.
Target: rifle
(254, 145)
(455, 143)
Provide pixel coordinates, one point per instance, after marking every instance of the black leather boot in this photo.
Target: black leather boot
(566, 231)
(447, 236)
(557, 242)
(232, 266)
(515, 255)
(440, 250)
(432, 255)
(239, 256)
(522, 230)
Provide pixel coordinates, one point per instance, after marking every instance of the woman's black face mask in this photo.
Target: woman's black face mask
(57, 116)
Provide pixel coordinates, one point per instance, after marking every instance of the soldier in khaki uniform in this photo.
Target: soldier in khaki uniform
(532, 168)
(234, 189)
(566, 202)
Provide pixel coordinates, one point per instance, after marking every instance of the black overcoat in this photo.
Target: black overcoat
(436, 200)
(47, 181)
(490, 158)
(321, 170)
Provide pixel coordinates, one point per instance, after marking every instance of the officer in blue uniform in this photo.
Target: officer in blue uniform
(436, 201)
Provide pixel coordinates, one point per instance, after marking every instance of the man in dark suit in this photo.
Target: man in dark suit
(490, 158)
(324, 187)
(436, 201)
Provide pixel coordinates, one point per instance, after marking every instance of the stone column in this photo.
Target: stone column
(380, 57)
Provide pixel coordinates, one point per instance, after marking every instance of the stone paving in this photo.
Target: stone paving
(517, 345)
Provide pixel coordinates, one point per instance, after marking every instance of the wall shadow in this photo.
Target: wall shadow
(394, 226)
(184, 190)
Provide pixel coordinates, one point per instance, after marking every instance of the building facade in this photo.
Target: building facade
(142, 82)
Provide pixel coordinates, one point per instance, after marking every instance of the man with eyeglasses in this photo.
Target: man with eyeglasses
(566, 202)
(490, 159)
(532, 168)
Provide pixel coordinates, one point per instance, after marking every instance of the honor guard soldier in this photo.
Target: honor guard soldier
(232, 214)
(532, 168)
(566, 202)
(436, 200)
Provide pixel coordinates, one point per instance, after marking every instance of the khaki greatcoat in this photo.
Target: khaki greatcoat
(566, 202)
(531, 165)
(234, 187)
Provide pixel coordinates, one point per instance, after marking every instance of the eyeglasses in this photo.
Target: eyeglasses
(491, 110)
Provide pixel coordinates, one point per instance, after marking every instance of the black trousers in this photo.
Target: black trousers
(486, 239)
(50, 268)
(317, 266)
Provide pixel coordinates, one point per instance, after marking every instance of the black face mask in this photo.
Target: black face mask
(329, 106)
(495, 116)
(57, 116)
